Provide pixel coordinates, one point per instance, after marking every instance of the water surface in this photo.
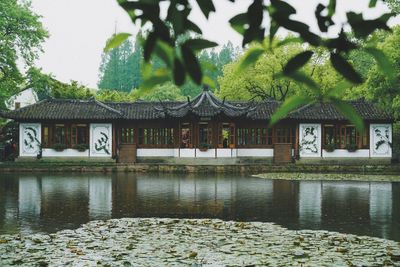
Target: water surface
(50, 202)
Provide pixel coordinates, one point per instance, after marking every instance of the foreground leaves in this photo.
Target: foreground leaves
(181, 60)
(289, 105)
(116, 40)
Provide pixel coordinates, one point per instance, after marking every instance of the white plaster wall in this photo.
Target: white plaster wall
(255, 152)
(210, 153)
(98, 140)
(30, 136)
(25, 98)
(305, 135)
(224, 153)
(186, 153)
(155, 152)
(68, 152)
(378, 133)
(343, 153)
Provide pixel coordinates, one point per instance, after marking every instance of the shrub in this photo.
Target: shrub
(351, 147)
(204, 146)
(330, 147)
(59, 147)
(81, 147)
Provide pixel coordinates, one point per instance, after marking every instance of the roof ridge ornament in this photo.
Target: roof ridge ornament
(93, 99)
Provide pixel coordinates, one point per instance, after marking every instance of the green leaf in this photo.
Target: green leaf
(282, 8)
(297, 62)
(116, 40)
(199, 44)
(165, 52)
(349, 112)
(341, 43)
(331, 8)
(324, 22)
(192, 64)
(193, 27)
(160, 76)
(304, 79)
(345, 68)
(255, 13)
(176, 18)
(179, 72)
(206, 6)
(289, 40)
(289, 105)
(383, 62)
(239, 22)
(208, 81)
(149, 46)
(250, 57)
(339, 89)
(362, 28)
(372, 3)
(273, 29)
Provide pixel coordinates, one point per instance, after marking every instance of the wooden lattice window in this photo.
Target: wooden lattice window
(226, 135)
(127, 135)
(186, 136)
(156, 137)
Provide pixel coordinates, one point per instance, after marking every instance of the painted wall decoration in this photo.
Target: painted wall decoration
(381, 140)
(101, 139)
(30, 136)
(310, 140)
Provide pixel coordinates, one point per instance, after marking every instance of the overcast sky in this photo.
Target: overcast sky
(79, 29)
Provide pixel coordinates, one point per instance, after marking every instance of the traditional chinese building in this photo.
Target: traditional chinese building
(203, 127)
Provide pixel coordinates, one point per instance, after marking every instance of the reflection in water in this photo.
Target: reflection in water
(45, 203)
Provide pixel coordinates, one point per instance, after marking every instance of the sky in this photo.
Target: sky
(79, 30)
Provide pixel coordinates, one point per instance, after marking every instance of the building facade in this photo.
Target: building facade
(204, 127)
(22, 99)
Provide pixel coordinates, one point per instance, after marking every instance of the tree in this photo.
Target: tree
(120, 68)
(21, 36)
(115, 96)
(261, 81)
(46, 86)
(379, 87)
(180, 61)
(394, 5)
(166, 91)
(216, 61)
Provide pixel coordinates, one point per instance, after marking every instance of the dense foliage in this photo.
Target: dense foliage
(262, 81)
(181, 61)
(46, 86)
(121, 67)
(21, 36)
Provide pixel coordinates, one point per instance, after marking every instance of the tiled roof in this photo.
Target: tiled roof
(327, 111)
(205, 104)
(59, 109)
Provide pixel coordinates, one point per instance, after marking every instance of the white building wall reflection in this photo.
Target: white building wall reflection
(380, 207)
(100, 198)
(29, 197)
(310, 199)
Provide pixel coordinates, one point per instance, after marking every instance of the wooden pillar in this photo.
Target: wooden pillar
(136, 134)
(114, 137)
(296, 145)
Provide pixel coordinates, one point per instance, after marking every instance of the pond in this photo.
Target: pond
(51, 202)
